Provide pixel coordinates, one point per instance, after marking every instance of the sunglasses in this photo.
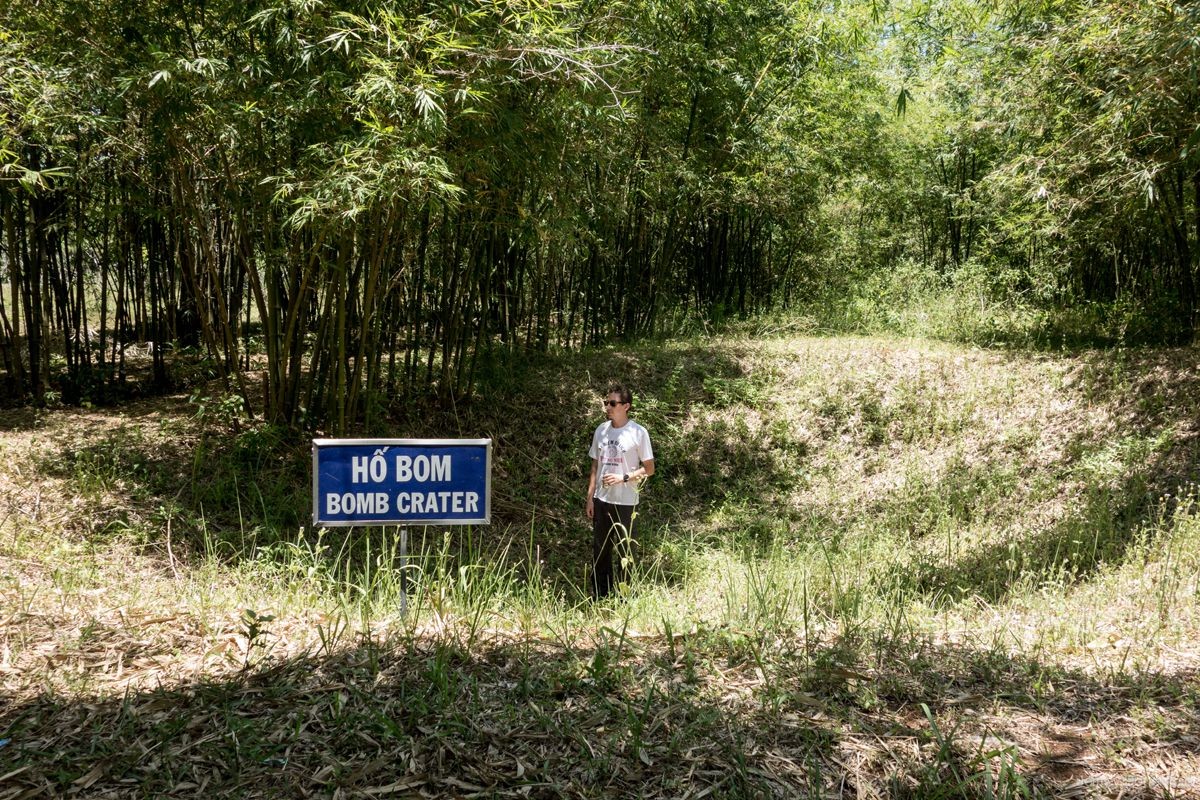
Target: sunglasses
(612, 403)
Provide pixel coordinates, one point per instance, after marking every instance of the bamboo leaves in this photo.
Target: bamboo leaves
(353, 203)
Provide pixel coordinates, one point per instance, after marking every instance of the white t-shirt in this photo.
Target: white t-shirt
(619, 451)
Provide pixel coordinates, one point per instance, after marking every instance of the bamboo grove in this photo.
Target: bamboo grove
(375, 196)
(342, 204)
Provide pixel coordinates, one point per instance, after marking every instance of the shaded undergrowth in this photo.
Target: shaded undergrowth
(709, 712)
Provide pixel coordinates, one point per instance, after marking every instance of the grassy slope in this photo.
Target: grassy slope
(867, 566)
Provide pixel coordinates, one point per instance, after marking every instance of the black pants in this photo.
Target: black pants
(612, 529)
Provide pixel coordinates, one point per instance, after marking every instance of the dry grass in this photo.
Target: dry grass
(873, 575)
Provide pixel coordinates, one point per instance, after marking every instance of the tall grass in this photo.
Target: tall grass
(838, 529)
(831, 487)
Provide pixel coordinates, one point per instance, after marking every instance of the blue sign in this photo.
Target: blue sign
(402, 482)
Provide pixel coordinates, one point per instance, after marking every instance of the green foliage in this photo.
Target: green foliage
(867, 540)
(254, 628)
(356, 202)
(378, 198)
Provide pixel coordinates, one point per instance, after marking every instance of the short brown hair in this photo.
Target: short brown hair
(619, 390)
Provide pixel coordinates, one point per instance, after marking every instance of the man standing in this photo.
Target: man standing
(621, 459)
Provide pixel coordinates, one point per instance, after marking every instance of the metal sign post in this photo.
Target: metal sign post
(403, 572)
(367, 482)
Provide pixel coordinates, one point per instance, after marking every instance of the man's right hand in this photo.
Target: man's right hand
(591, 508)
